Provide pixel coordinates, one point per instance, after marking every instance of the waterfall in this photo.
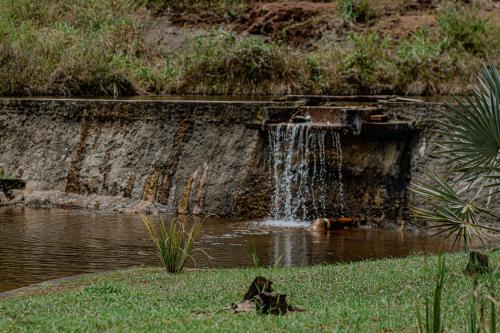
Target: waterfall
(338, 154)
(300, 173)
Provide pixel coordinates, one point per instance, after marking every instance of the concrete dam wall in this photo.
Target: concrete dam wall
(217, 157)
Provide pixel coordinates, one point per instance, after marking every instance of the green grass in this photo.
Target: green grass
(371, 296)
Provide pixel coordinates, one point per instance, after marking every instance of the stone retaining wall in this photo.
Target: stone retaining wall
(196, 157)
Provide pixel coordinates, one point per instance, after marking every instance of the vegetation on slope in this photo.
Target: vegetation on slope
(92, 47)
(371, 296)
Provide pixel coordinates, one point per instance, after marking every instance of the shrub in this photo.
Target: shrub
(222, 63)
(422, 64)
(367, 65)
(465, 28)
(366, 10)
(174, 242)
(67, 47)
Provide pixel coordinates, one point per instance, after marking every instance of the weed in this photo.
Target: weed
(433, 313)
(174, 242)
(366, 10)
(254, 257)
(222, 63)
(466, 29)
(102, 289)
(367, 65)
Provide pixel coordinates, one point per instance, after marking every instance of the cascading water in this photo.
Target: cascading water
(300, 172)
(338, 152)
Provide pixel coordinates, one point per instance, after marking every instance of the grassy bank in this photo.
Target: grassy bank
(82, 47)
(372, 296)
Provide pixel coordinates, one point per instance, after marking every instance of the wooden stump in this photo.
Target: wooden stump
(259, 285)
(271, 303)
(260, 298)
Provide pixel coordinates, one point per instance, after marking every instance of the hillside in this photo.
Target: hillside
(236, 47)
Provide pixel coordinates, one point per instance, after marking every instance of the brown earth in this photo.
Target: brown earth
(401, 26)
(298, 24)
(301, 24)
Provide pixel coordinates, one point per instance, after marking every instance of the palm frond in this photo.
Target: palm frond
(450, 211)
(470, 130)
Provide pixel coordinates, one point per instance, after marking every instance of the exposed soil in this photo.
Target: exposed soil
(402, 26)
(297, 24)
(301, 24)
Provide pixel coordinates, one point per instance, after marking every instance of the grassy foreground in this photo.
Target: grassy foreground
(371, 296)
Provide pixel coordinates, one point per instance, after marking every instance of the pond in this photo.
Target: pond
(42, 244)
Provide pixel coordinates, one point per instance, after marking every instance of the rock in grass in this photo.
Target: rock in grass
(478, 263)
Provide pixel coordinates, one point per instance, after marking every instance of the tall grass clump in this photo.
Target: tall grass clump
(366, 10)
(366, 66)
(222, 63)
(174, 241)
(483, 305)
(433, 310)
(68, 47)
(254, 257)
(464, 28)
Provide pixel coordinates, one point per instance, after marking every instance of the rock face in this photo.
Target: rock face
(188, 157)
(199, 157)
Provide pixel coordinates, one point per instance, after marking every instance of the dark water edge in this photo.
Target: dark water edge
(42, 244)
(209, 98)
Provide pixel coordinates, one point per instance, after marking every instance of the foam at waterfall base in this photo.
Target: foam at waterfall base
(286, 223)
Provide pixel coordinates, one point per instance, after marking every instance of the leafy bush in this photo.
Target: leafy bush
(466, 29)
(366, 10)
(174, 242)
(222, 63)
(67, 47)
(421, 62)
(367, 66)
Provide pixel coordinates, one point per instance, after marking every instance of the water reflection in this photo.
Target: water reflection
(42, 244)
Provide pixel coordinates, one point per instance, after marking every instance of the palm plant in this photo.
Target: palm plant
(174, 242)
(470, 133)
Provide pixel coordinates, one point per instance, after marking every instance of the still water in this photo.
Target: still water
(42, 244)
